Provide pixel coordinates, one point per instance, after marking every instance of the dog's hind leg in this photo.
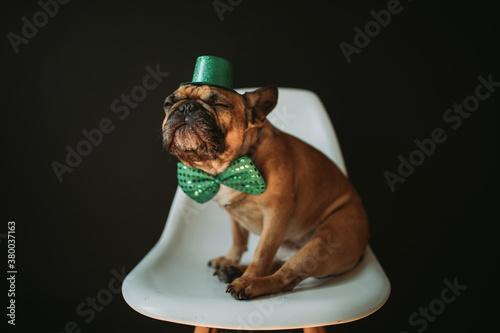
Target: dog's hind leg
(323, 255)
(228, 274)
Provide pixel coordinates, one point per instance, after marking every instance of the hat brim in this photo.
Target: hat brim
(206, 84)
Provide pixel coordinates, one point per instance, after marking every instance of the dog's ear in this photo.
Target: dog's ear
(259, 103)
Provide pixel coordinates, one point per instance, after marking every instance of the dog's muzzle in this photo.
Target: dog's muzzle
(192, 128)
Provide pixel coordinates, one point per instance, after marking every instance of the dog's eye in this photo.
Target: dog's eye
(221, 105)
(168, 104)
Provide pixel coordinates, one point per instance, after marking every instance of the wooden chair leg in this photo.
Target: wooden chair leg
(314, 330)
(199, 329)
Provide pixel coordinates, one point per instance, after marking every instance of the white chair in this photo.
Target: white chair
(174, 283)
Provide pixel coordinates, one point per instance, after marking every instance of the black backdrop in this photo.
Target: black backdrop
(74, 236)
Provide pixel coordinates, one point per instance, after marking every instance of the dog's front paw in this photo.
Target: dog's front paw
(244, 288)
(240, 289)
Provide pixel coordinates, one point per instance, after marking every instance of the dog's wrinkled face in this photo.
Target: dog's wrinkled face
(206, 124)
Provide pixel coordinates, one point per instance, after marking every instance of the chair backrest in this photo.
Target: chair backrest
(301, 113)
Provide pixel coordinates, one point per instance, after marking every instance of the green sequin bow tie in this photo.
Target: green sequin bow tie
(241, 175)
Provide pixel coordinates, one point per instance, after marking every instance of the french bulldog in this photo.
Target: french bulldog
(310, 219)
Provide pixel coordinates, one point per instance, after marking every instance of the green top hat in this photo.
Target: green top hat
(212, 71)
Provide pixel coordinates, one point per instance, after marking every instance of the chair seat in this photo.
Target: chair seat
(174, 283)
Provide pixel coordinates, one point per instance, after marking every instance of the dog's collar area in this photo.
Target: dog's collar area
(241, 175)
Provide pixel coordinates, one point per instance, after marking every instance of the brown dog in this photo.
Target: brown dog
(309, 206)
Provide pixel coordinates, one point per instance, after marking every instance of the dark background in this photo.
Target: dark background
(106, 214)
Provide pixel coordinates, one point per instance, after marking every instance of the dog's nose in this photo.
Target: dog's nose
(189, 106)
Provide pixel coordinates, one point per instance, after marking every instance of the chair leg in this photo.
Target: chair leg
(315, 330)
(199, 329)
